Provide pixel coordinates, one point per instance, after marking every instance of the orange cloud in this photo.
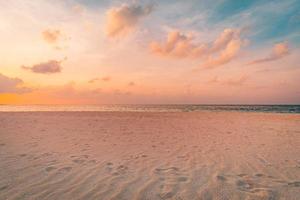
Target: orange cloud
(235, 81)
(178, 45)
(51, 36)
(50, 67)
(228, 54)
(122, 20)
(11, 85)
(93, 80)
(55, 38)
(279, 51)
(72, 93)
(219, 52)
(106, 78)
(131, 83)
(224, 38)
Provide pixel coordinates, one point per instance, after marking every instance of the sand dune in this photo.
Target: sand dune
(140, 155)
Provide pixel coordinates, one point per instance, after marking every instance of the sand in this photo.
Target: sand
(144, 155)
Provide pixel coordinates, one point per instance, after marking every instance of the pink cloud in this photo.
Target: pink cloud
(122, 20)
(131, 83)
(50, 67)
(279, 51)
(224, 38)
(93, 80)
(106, 78)
(12, 85)
(219, 52)
(227, 55)
(178, 45)
(51, 36)
(234, 81)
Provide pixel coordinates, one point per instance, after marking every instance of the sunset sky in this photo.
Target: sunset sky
(149, 51)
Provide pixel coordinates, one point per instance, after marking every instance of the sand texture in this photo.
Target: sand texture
(144, 155)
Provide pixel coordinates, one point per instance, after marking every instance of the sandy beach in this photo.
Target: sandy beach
(149, 155)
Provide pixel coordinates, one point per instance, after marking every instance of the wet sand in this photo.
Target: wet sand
(148, 155)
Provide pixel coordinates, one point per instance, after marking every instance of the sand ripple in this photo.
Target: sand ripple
(204, 155)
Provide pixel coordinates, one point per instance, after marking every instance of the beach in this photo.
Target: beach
(149, 155)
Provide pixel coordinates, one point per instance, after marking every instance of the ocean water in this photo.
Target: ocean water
(153, 108)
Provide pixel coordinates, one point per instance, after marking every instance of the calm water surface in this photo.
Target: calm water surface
(153, 108)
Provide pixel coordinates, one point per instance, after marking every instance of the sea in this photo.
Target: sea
(152, 108)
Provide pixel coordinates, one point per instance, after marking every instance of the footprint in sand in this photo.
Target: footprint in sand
(206, 195)
(3, 187)
(173, 174)
(53, 161)
(181, 156)
(109, 166)
(65, 169)
(294, 184)
(122, 169)
(166, 169)
(49, 169)
(78, 161)
(85, 156)
(23, 155)
(242, 175)
(244, 185)
(182, 179)
(167, 195)
(92, 161)
(115, 174)
(2, 144)
(46, 154)
(259, 175)
(221, 178)
(255, 187)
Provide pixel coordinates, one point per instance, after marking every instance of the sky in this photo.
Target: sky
(149, 52)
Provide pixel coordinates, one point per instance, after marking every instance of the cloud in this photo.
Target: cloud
(78, 8)
(50, 67)
(106, 78)
(12, 85)
(122, 20)
(93, 80)
(55, 38)
(224, 38)
(235, 81)
(219, 52)
(131, 83)
(228, 54)
(238, 81)
(279, 51)
(72, 93)
(51, 36)
(178, 45)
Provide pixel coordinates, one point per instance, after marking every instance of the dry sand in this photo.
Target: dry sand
(136, 155)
